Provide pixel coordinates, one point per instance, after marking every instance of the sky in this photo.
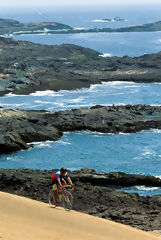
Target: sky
(73, 2)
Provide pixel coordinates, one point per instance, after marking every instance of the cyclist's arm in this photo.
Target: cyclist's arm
(59, 182)
(69, 180)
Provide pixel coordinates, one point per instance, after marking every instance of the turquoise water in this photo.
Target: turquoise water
(118, 93)
(130, 153)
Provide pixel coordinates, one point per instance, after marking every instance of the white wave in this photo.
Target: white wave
(121, 133)
(118, 83)
(12, 105)
(147, 153)
(13, 95)
(105, 55)
(114, 94)
(14, 159)
(44, 102)
(76, 100)
(99, 20)
(60, 104)
(63, 142)
(156, 83)
(79, 28)
(158, 176)
(45, 143)
(93, 133)
(156, 130)
(94, 86)
(21, 32)
(144, 188)
(100, 134)
(134, 86)
(80, 105)
(46, 93)
(138, 158)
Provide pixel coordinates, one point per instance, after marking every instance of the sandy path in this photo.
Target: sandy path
(26, 219)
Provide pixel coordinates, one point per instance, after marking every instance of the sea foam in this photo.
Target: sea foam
(46, 93)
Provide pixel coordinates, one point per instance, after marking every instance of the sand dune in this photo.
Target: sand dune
(26, 219)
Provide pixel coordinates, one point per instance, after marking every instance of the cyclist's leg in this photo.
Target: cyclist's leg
(55, 190)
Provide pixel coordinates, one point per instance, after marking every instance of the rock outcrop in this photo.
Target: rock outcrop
(26, 67)
(19, 128)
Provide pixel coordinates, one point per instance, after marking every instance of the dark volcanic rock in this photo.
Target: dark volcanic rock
(26, 67)
(92, 195)
(17, 128)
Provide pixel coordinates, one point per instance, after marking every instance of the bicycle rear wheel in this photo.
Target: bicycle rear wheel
(52, 202)
(67, 201)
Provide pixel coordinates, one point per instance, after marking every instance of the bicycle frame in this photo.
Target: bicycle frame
(63, 191)
(64, 197)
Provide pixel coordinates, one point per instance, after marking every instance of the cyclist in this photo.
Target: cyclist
(57, 178)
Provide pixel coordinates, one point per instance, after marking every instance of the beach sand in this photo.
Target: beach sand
(25, 219)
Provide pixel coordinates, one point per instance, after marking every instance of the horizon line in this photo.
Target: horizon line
(83, 5)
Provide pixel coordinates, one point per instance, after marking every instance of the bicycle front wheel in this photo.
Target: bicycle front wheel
(52, 202)
(67, 201)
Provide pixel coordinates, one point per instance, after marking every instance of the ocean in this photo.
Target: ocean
(115, 44)
(131, 153)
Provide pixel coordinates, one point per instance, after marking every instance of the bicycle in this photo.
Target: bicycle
(64, 197)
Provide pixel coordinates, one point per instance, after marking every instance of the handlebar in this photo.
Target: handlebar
(67, 186)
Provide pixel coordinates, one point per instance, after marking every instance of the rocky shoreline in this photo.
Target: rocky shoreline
(19, 128)
(26, 67)
(94, 194)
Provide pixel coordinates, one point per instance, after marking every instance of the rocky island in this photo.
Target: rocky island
(19, 128)
(94, 194)
(147, 27)
(9, 27)
(26, 67)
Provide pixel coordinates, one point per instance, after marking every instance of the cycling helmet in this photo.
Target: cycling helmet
(63, 170)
